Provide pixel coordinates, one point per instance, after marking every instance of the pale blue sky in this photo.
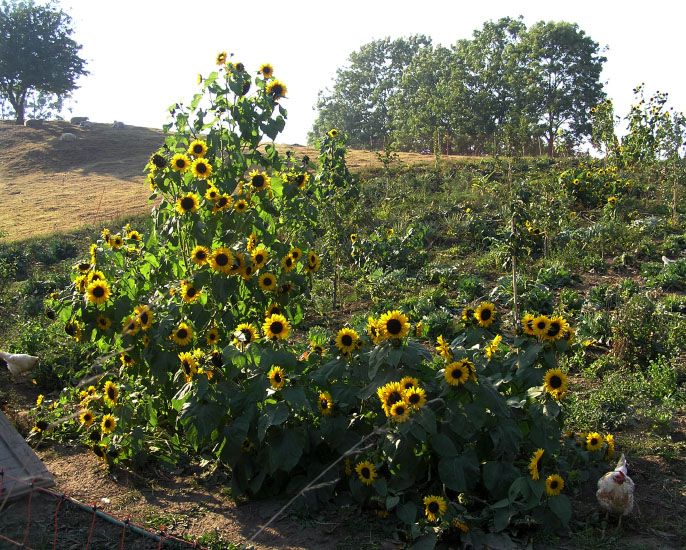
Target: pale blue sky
(144, 55)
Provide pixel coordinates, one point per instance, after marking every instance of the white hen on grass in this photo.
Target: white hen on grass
(615, 492)
(18, 363)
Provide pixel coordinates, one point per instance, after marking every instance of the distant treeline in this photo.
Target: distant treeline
(507, 90)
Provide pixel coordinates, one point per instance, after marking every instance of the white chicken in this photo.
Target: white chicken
(615, 492)
(18, 363)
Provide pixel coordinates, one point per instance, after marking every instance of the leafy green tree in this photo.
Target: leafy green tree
(37, 54)
(564, 79)
(359, 104)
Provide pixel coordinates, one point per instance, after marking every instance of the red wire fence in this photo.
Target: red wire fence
(160, 537)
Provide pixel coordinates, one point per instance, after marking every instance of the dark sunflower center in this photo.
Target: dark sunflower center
(94, 436)
(259, 258)
(127, 359)
(277, 327)
(485, 314)
(433, 507)
(84, 267)
(324, 404)
(594, 442)
(213, 336)
(197, 149)
(95, 277)
(457, 373)
(289, 262)
(246, 87)
(190, 292)
(553, 484)
(102, 321)
(394, 326)
(246, 334)
(258, 180)
(87, 417)
(217, 360)
(366, 473)
(268, 281)
(200, 255)
(555, 382)
(180, 163)
(98, 292)
(414, 398)
(239, 67)
(221, 259)
(144, 317)
(346, 340)
(540, 325)
(399, 410)
(249, 270)
(158, 160)
(187, 203)
(182, 334)
(186, 367)
(98, 451)
(277, 378)
(554, 329)
(111, 394)
(394, 397)
(241, 206)
(277, 89)
(529, 325)
(131, 326)
(108, 423)
(118, 241)
(201, 167)
(275, 311)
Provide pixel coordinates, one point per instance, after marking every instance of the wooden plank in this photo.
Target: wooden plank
(19, 461)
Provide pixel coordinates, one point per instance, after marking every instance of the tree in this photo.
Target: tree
(37, 54)
(359, 103)
(564, 79)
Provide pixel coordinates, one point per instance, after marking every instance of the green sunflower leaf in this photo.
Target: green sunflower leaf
(561, 507)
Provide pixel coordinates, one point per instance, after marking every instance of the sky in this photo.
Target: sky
(144, 55)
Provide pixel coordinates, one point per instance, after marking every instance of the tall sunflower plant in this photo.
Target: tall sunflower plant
(226, 260)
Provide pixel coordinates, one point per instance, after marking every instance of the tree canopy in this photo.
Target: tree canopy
(37, 54)
(508, 88)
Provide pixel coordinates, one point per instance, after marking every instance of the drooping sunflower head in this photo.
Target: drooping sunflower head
(373, 330)
(276, 89)
(201, 169)
(189, 365)
(555, 382)
(346, 339)
(277, 378)
(221, 260)
(180, 162)
(252, 242)
(434, 507)
(443, 349)
(144, 316)
(394, 324)
(98, 292)
(457, 373)
(325, 403)
(533, 464)
(301, 180)
(183, 334)
(267, 70)
(197, 148)
(554, 485)
(276, 326)
(485, 314)
(267, 281)
(273, 309)
(199, 255)
(366, 472)
(111, 393)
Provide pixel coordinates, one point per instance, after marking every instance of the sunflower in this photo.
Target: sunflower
(394, 324)
(610, 440)
(158, 161)
(238, 264)
(461, 526)
(103, 322)
(444, 349)
(273, 309)
(415, 397)
(252, 242)
(221, 260)
(301, 180)
(111, 392)
(133, 235)
(287, 263)
(144, 316)
(212, 193)
(313, 262)
(325, 403)
(366, 472)
(528, 324)
(457, 373)
(245, 333)
(259, 258)
(83, 267)
(267, 281)
(126, 359)
(594, 441)
(373, 330)
(221, 58)
(333, 132)
(390, 394)
(259, 181)
(267, 70)
(389, 233)
(187, 203)
(541, 325)
(485, 314)
(73, 330)
(276, 326)
(189, 365)
(493, 347)
(276, 378)
(146, 340)
(182, 335)
(189, 293)
(212, 337)
(533, 463)
(99, 451)
(197, 148)
(557, 328)
(554, 485)
(346, 339)
(87, 418)
(180, 162)
(400, 411)
(131, 326)
(247, 272)
(555, 382)
(109, 423)
(435, 507)
(98, 292)
(409, 382)
(116, 241)
(296, 254)
(106, 235)
(277, 89)
(199, 255)
(95, 276)
(241, 205)
(201, 169)
(223, 202)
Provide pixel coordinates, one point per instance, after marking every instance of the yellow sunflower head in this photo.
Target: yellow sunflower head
(241, 205)
(325, 403)
(533, 464)
(277, 378)
(187, 203)
(144, 316)
(98, 292)
(111, 393)
(366, 472)
(180, 162)
(346, 340)
(183, 334)
(221, 58)
(394, 324)
(485, 314)
(259, 180)
(333, 132)
(259, 257)
(276, 89)
(415, 397)
(267, 70)
(201, 168)
(434, 507)
(288, 263)
(554, 485)
(457, 373)
(267, 281)
(221, 260)
(594, 441)
(555, 382)
(245, 333)
(200, 255)
(400, 411)
(109, 423)
(276, 326)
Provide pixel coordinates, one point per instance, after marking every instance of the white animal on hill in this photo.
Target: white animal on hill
(615, 492)
(86, 124)
(33, 123)
(18, 363)
(67, 137)
(118, 124)
(78, 119)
